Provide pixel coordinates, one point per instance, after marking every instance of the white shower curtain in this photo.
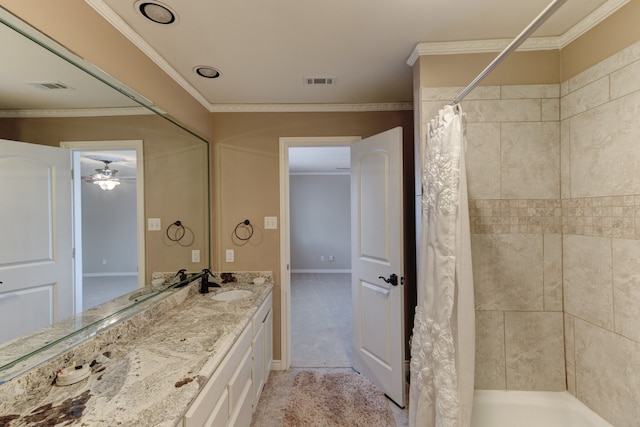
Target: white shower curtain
(443, 342)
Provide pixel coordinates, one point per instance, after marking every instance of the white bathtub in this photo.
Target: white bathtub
(494, 408)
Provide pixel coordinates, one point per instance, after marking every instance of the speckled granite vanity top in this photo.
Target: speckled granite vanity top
(149, 367)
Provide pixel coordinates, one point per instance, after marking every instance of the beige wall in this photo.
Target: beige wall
(519, 68)
(75, 25)
(175, 165)
(246, 167)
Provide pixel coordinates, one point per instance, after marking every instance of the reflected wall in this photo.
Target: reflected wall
(175, 176)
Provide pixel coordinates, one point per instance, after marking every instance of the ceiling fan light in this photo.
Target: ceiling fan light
(107, 185)
(157, 12)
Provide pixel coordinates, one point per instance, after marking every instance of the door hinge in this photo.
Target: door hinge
(73, 253)
(71, 174)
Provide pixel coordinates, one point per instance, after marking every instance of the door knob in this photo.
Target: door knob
(393, 279)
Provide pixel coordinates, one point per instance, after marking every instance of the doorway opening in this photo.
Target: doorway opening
(316, 256)
(108, 220)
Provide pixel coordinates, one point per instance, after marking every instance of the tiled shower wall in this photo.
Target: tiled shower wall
(513, 167)
(600, 170)
(554, 189)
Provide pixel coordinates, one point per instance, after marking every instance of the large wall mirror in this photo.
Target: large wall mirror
(126, 227)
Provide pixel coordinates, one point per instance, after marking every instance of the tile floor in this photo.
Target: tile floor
(321, 340)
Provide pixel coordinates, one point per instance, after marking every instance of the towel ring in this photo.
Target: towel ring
(244, 224)
(179, 232)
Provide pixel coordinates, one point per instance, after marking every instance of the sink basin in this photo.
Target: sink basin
(231, 295)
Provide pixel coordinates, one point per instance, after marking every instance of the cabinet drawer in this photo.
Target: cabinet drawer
(262, 313)
(241, 417)
(220, 414)
(239, 379)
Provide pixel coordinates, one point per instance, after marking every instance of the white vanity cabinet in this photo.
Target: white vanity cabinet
(262, 347)
(225, 395)
(231, 394)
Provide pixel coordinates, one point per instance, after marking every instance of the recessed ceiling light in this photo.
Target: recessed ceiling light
(207, 72)
(157, 12)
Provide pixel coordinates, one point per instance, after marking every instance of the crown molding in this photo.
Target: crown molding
(531, 44)
(478, 46)
(312, 108)
(77, 112)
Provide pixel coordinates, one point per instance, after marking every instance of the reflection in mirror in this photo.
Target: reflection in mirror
(51, 99)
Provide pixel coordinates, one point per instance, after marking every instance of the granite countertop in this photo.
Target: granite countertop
(150, 378)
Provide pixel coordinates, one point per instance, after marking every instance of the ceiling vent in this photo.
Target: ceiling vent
(320, 81)
(51, 86)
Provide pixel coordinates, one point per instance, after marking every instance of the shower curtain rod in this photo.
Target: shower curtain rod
(540, 19)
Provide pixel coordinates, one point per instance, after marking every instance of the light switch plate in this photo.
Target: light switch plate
(195, 255)
(229, 255)
(270, 222)
(153, 224)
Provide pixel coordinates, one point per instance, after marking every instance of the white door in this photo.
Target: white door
(36, 286)
(377, 255)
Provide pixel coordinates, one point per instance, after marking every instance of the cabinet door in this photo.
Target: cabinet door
(258, 364)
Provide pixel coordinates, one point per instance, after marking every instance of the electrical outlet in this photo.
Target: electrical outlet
(195, 255)
(153, 224)
(331, 258)
(270, 222)
(229, 255)
(321, 258)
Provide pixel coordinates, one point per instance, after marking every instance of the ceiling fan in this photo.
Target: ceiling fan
(105, 177)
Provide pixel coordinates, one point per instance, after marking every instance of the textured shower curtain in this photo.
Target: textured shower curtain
(443, 342)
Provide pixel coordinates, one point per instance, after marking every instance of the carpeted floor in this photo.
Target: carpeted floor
(321, 334)
(335, 400)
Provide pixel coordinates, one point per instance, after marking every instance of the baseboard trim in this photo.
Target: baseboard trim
(321, 270)
(276, 365)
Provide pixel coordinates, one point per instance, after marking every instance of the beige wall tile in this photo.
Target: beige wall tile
(552, 272)
(448, 94)
(565, 159)
(531, 91)
(583, 99)
(587, 273)
(490, 367)
(626, 287)
(508, 110)
(507, 271)
(607, 378)
(530, 160)
(625, 80)
(604, 149)
(534, 344)
(483, 160)
(550, 109)
(570, 352)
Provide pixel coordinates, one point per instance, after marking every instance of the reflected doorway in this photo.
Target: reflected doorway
(108, 220)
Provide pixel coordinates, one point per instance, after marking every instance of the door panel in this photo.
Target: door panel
(377, 253)
(35, 253)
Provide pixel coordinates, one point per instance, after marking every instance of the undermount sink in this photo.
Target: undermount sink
(231, 295)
